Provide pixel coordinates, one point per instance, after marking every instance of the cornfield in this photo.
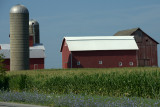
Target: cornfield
(129, 82)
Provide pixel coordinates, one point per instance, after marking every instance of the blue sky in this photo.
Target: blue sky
(59, 18)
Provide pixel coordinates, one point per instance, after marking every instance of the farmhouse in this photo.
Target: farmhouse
(147, 53)
(99, 52)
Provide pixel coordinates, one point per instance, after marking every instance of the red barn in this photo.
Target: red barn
(147, 53)
(37, 55)
(99, 52)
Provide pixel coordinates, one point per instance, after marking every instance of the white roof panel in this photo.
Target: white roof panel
(37, 51)
(5, 46)
(6, 53)
(38, 46)
(101, 43)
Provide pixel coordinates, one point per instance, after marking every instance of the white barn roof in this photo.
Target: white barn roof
(93, 43)
(37, 51)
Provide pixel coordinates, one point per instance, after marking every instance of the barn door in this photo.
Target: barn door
(35, 66)
(141, 63)
(147, 62)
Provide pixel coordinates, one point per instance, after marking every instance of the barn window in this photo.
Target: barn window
(100, 62)
(78, 62)
(131, 63)
(120, 63)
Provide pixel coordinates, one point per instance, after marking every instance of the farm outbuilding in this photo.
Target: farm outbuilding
(147, 53)
(36, 58)
(99, 52)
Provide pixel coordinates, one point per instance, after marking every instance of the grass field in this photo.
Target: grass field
(117, 82)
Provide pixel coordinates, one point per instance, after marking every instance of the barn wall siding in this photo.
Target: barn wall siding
(7, 64)
(110, 59)
(31, 41)
(66, 56)
(147, 53)
(37, 63)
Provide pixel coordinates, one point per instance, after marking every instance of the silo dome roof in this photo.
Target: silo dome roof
(31, 22)
(19, 9)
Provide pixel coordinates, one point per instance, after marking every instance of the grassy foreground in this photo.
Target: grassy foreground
(129, 82)
(76, 100)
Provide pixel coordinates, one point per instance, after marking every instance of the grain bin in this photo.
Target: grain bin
(34, 30)
(19, 38)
